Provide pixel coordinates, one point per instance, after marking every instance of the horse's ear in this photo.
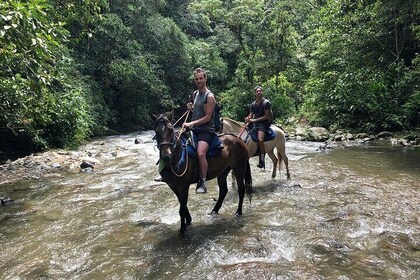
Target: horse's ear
(170, 116)
(153, 117)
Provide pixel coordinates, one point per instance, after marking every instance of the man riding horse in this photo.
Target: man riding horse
(259, 115)
(202, 123)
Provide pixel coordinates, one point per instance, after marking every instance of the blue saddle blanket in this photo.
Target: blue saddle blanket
(270, 135)
(215, 148)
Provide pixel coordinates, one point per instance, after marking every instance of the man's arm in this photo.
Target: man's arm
(208, 109)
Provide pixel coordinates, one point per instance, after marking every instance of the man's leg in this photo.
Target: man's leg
(202, 148)
(261, 148)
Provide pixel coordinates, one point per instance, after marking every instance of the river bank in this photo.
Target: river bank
(53, 163)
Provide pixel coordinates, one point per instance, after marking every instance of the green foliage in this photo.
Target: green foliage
(236, 103)
(278, 90)
(70, 69)
(37, 99)
(362, 54)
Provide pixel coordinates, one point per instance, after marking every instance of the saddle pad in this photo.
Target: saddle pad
(215, 148)
(270, 135)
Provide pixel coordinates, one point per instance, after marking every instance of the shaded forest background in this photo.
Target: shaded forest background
(71, 70)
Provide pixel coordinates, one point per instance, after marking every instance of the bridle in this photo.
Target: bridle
(162, 119)
(172, 145)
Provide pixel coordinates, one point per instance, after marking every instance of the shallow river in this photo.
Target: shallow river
(347, 213)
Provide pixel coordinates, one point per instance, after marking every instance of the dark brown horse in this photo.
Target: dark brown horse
(179, 170)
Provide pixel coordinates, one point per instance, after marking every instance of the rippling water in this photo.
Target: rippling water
(347, 213)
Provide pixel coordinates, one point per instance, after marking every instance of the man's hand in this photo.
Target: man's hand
(189, 106)
(188, 125)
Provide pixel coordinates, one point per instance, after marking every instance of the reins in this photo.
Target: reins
(243, 129)
(186, 112)
(182, 127)
(183, 146)
(186, 161)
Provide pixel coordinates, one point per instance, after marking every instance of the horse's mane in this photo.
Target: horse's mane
(232, 120)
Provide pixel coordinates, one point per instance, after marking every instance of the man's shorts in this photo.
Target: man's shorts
(205, 136)
(260, 127)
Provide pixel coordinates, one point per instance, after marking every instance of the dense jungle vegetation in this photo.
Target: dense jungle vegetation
(70, 70)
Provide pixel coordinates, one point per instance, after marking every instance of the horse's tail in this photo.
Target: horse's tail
(248, 181)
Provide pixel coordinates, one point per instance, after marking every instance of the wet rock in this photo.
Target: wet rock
(87, 164)
(56, 165)
(6, 201)
(318, 134)
(325, 146)
(367, 139)
(42, 165)
(383, 134)
(349, 136)
(362, 136)
(87, 170)
(300, 132)
(138, 141)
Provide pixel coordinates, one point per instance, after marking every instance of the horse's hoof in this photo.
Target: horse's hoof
(237, 214)
(214, 213)
(158, 179)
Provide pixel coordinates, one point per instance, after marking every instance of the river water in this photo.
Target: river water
(347, 213)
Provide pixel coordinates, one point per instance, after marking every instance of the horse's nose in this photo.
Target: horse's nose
(167, 157)
(166, 154)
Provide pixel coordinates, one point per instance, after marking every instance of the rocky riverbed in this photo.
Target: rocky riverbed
(53, 163)
(95, 154)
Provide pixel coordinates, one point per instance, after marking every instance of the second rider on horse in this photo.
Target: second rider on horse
(259, 116)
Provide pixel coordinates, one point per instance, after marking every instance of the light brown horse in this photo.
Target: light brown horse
(179, 170)
(279, 142)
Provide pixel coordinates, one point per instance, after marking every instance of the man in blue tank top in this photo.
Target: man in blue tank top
(202, 123)
(259, 114)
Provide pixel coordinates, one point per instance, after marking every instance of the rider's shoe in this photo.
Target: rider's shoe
(261, 164)
(201, 187)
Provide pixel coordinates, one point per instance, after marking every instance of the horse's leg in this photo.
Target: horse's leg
(286, 162)
(183, 209)
(282, 156)
(248, 181)
(274, 160)
(240, 172)
(221, 181)
(233, 180)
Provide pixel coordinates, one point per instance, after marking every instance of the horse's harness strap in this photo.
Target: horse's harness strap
(165, 143)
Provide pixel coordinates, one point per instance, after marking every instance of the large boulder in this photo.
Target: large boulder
(318, 134)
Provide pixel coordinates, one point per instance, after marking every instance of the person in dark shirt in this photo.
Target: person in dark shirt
(259, 115)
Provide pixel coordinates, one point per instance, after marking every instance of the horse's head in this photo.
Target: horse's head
(165, 137)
